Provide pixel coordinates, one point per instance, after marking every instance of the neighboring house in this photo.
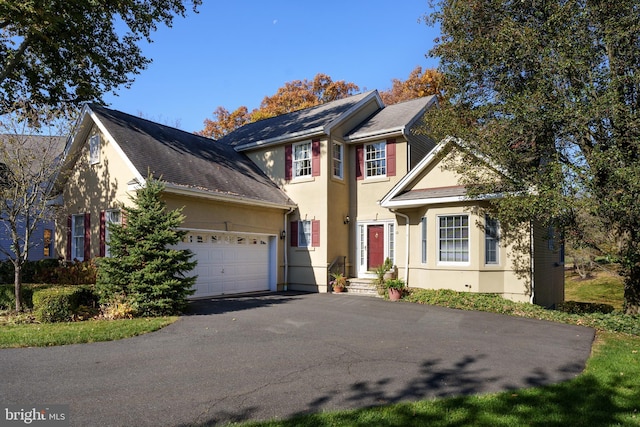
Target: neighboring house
(41, 242)
(277, 202)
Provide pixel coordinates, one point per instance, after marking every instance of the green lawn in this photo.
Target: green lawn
(48, 334)
(604, 287)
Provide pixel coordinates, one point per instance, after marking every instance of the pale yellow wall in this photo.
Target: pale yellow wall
(474, 276)
(369, 191)
(436, 175)
(93, 188)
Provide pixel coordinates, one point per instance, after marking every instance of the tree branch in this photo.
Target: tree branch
(11, 65)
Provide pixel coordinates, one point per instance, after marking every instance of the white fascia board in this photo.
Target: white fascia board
(137, 175)
(280, 139)
(196, 192)
(437, 201)
(379, 134)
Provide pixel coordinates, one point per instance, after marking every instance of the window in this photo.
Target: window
(48, 242)
(337, 160)
(453, 238)
(94, 149)
(304, 234)
(110, 217)
(302, 160)
(375, 159)
(423, 225)
(77, 237)
(491, 240)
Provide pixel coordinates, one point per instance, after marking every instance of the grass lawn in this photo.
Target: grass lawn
(604, 287)
(48, 334)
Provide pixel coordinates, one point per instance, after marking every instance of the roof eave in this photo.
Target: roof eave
(228, 198)
(407, 204)
(319, 130)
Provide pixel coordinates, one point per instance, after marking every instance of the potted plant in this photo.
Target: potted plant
(339, 282)
(390, 271)
(379, 282)
(395, 287)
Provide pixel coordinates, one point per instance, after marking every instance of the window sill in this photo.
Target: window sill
(302, 179)
(376, 179)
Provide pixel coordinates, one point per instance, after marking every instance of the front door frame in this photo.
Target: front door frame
(362, 253)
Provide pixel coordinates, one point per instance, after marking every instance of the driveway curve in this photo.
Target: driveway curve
(277, 355)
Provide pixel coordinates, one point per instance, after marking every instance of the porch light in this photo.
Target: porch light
(347, 220)
(282, 235)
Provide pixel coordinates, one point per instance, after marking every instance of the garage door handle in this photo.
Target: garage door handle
(222, 271)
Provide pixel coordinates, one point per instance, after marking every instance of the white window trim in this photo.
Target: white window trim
(366, 161)
(497, 240)
(107, 221)
(423, 240)
(305, 241)
(77, 240)
(94, 149)
(334, 160)
(295, 161)
(469, 245)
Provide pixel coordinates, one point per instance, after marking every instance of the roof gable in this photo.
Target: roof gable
(187, 160)
(395, 118)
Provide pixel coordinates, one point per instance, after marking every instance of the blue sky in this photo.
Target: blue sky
(237, 52)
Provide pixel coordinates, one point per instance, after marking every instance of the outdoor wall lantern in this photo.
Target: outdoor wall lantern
(347, 220)
(283, 234)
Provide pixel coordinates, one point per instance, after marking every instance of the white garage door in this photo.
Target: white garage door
(229, 263)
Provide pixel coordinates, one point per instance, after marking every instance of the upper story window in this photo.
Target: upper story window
(491, 240)
(338, 160)
(453, 238)
(94, 149)
(302, 159)
(375, 162)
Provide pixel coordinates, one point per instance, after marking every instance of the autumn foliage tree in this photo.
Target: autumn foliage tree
(294, 95)
(419, 83)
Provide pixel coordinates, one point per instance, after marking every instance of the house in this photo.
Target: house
(39, 154)
(280, 201)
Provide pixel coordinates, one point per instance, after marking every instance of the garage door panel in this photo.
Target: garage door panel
(229, 263)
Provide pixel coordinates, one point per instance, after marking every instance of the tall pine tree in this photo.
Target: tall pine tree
(143, 269)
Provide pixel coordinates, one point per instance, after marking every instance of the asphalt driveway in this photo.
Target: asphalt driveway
(276, 355)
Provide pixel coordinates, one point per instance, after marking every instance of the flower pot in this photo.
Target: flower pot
(394, 294)
(338, 289)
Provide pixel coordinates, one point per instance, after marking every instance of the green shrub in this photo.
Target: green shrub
(575, 307)
(8, 297)
(63, 303)
(32, 271)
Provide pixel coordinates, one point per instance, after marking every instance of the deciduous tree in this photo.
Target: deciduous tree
(549, 92)
(62, 52)
(29, 161)
(294, 95)
(419, 83)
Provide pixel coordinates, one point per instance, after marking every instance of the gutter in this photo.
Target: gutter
(406, 261)
(206, 194)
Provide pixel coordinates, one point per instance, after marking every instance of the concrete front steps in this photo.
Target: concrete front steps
(365, 287)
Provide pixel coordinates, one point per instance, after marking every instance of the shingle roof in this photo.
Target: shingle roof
(188, 160)
(393, 117)
(309, 119)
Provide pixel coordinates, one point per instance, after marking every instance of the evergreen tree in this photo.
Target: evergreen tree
(143, 269)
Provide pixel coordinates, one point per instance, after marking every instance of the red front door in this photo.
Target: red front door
(375, 245)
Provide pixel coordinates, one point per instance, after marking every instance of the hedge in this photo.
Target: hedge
(62, 303)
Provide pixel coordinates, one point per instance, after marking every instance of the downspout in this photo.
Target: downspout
(532, 261)
(284, 245)
(406, 261)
